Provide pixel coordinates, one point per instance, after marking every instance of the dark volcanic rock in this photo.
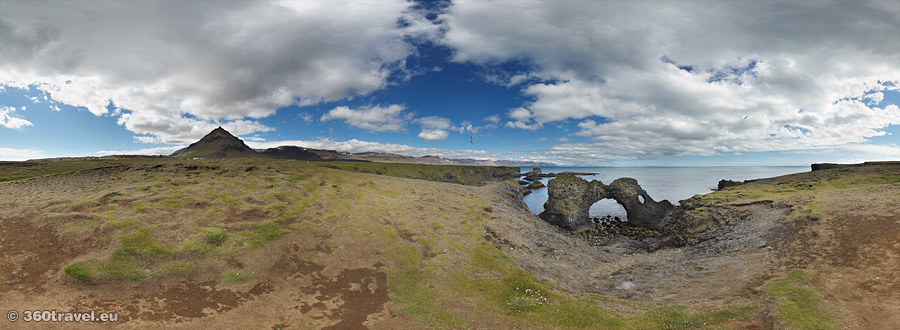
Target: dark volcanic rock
(570, 199)
(522, 182)
(642, 210)
(535, 185)
(728, 183)
(534, 175)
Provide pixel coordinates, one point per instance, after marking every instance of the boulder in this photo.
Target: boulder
(535, 185)
(570, 198)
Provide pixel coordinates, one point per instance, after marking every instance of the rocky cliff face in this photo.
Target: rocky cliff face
(570, 199)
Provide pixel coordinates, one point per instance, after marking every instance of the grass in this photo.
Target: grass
(463, 273)
(12, 171)
(441, 173)
(122, 223)
(75, 227)
(261, 234)
(78, 270)
(179, 268)
(142, 242)
(236, 276)
(119, 266)
(797, 305)
(214, 235)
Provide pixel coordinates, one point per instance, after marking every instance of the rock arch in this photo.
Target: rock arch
(570, 198)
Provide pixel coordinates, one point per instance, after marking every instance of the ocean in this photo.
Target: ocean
(670, 183)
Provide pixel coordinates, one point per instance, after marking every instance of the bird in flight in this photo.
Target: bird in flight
(745, 117)
(472, 140)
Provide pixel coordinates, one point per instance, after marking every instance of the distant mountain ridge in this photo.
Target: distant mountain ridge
(221, 144)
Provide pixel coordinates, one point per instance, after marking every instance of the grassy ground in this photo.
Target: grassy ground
(11, 171)
(161, 220)
(797, 305)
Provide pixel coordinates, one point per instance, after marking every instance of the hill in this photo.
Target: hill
(217, 144)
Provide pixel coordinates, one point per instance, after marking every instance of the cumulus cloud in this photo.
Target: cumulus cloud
(521, 118)
(434, 128)
(172, 66)
(374, 118)
(679, 78)
(7, 120)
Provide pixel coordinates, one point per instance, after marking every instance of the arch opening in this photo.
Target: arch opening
(608, 207)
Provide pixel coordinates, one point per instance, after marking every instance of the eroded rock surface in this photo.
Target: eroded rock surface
(570, 199)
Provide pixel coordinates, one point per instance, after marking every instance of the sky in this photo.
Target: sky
(592, 83)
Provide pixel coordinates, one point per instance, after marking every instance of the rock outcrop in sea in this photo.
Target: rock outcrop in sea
(570, 198)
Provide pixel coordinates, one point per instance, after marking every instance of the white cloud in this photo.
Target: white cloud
(433, 135)
(305, 116)
(10, 154)
(874, 98)
(176, 129)
(521, 117)
(679, 78)
(147, 151)
(375, 118)
(8, 121)
(179, 65)
(434, 128)
(147, 139)
(494, 119)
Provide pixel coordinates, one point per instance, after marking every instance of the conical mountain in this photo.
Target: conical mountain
(217, 144)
